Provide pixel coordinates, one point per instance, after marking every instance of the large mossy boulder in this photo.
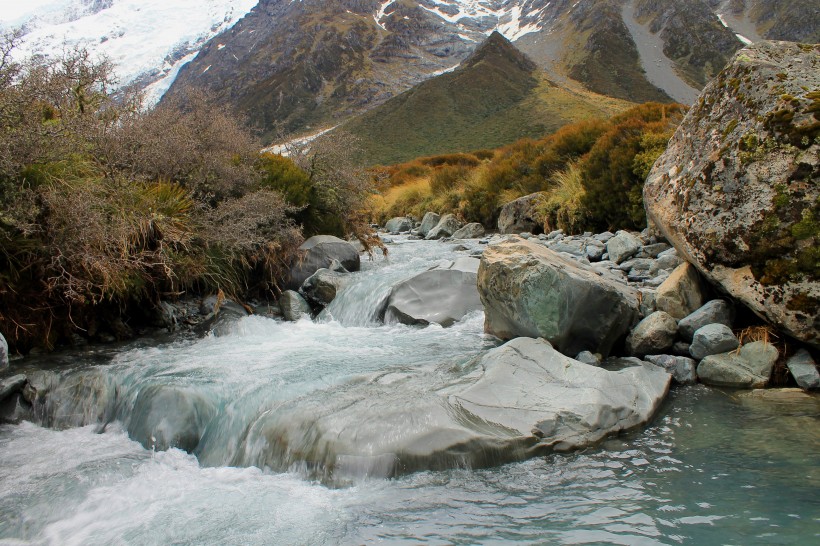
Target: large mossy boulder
(736, 191)
(530, 291)
(516, 401)
(442, 295)
(319, 252)
(520, 216)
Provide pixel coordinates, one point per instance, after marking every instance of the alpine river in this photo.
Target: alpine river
(714, 467)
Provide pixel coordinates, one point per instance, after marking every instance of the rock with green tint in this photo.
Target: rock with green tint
(529, 290)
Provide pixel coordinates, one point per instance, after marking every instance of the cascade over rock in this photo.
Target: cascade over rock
(736, 191)
(319, 252)
(530, 290)
(442, 295)
(516, 401)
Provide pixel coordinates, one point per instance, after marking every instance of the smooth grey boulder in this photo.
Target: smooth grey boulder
(520, 216)
(683, 369)
(603, 237)
(12, 385)
(473, 230)
(400, 224)
(802, 367)
(319, 251)
(321, 287)
(4, 352)
(712, 339)
(293, 306)
(531, 291)
(712, 312)
(447, 225)
(653, 335)
(682, 293)
(442, 295)
(520, 400)
(751, 367)
(12, 399)
(427, 223)
(167, 416)
(622, 246)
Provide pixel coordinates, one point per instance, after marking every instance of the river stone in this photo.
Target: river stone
(652, 251)
(623, 246)
(520, 216)
(166, 416)
(587, 357)
(473, 230)
(736, 190)
(429, 221)
(713, 312)
(520, 400)
(442, 295)
(12, 385)
(447, 225)
(4, 352)
(680, 294)
(528, 290)
(319, 251)
(400, 224)
(321, 287)
(804, 370)
(654, 334)
(683, 369)
(594, 250)
(751, 367)
(293, 306)
(712, 339)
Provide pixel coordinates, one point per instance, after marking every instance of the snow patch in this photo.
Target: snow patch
(145, 39)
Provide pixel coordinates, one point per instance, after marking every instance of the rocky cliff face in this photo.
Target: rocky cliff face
(737, 189)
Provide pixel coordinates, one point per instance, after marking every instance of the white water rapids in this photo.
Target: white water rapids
(705, 471)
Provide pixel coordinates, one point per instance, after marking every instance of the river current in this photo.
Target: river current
(714, 467)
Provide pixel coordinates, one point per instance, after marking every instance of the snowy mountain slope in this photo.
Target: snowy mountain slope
(147, 40)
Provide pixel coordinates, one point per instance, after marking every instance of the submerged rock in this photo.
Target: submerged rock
(736, 190)
(166, 416)
(442, 295)
(529, 290)
(516, 401)
(319, 252)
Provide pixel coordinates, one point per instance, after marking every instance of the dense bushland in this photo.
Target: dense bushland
(106, 208)
(591, 174)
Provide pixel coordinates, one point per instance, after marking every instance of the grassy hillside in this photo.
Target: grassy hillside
(494, 97)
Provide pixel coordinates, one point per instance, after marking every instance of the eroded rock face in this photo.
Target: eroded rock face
(516, 401)
(442, 295)
(529, 290)
(736, 191)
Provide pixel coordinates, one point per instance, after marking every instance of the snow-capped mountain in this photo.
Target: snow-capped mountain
(147, 40)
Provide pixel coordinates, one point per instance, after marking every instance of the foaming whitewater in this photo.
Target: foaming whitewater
(96, 467)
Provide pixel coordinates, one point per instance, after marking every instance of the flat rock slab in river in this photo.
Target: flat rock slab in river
(516, 401)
